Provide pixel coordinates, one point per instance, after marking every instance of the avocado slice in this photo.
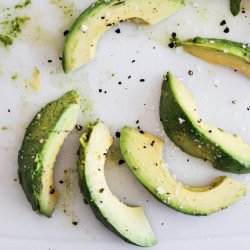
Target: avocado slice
(41, 144)
(219, 51)
(85, 33)
(129, 223)
(181, 121)
(143, 154)
(235, 7)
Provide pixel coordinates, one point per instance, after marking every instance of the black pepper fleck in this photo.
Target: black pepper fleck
(190, 72)
(171, 45)
(223, 22)
(174, 35)
(78, 127)
(226, 30)
(118, 134)
(74, 223)
(66, 32)
(142, 80)
(121, 162)
(118, 31)
(52, 191)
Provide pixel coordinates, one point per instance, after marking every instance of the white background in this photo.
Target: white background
(214, 89)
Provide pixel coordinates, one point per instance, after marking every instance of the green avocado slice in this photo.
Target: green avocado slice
(235, 7)
(41, 144)
(219, 51)
(80, 46)
(181, 121)
(143, 154)
(129, 223)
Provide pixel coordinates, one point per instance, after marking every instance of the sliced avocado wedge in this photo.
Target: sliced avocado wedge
(181, 121)
(85, 33)
(219, 51)
(41, 144)
(129, 223)
(143, 154)
(235, 7)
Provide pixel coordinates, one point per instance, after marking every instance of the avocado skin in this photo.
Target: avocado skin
(235, 7)
(85, 191)
(188, 138)
(41, 126)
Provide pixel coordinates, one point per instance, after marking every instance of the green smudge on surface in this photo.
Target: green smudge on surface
(87, 106)
(6, 40)
(12, 22)
(114, 155)
(23, 5)
(14, 77)
(17, 25)
(68, 8)
(68, 194)
(4, 128)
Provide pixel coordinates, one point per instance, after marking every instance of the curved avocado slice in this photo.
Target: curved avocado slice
(181, 121)
(143, 154)
(85, 33)
(219, 51)
(129, 223)
(41, 144)
(235, 7)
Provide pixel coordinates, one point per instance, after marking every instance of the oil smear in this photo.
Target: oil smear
(68, 194)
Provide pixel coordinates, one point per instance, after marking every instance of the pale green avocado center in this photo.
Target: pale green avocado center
(144, 156)
(129, 223)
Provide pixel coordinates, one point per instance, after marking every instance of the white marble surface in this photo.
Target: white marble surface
(42, 40)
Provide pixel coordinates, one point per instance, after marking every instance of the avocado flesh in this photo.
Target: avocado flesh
(129, 223)
(80, 46)
(147, 164)
(41, 144)
(181, 122)
(218, 51)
